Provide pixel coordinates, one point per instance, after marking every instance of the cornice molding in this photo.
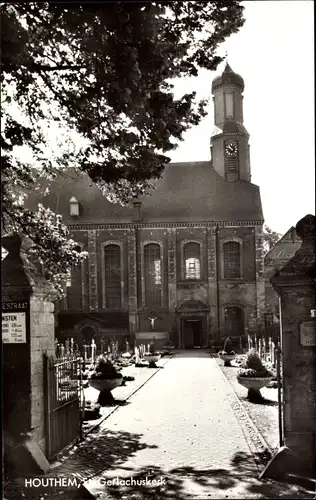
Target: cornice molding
(153, 225)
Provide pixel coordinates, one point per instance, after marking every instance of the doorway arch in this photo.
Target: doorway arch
(193, 324)
(86, 333)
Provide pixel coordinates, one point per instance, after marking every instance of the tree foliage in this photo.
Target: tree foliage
(270, 238)
(99, 75)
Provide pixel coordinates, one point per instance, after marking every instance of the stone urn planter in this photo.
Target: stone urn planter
(227, 354)
(254, 375)
(152, 359)
(169, 347)
(105, 386)
(227, 358)
(254, 384)
(105, 378)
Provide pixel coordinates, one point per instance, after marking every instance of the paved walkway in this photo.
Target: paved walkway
(182, 427)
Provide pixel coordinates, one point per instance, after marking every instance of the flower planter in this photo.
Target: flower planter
(126, 355)
(254, 384)
(152, 359)
(91, 411)
(227, 358)
(105, 386)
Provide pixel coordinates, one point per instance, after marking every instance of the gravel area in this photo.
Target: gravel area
(264, 415)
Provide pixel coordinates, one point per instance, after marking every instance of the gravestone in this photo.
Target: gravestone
(27, 332)
(295, 284)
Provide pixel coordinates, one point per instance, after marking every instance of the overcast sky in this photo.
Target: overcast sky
(274, 53)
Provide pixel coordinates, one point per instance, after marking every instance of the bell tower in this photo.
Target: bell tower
(230, 139)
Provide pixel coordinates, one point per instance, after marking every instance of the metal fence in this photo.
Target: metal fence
(63, 401)
(265, 347)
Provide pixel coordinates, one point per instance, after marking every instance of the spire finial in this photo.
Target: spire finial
(226, 56)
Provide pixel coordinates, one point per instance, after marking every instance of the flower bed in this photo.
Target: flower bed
(264, 415)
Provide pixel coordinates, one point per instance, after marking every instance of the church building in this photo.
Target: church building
(185, 262)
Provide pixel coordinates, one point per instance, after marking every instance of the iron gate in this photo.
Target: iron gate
(63, 402)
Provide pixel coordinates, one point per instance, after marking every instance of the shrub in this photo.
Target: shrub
(169, 343)
(228, 347)
(253, 366)
(105, 369)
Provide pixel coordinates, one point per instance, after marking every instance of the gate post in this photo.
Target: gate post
(28, 332)
(296, 285)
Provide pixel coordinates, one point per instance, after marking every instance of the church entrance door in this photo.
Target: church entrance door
(192, 333)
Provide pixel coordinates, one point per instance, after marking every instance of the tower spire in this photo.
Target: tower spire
(230, 148)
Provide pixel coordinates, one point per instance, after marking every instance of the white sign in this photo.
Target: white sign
(14, 328)
(308, 333)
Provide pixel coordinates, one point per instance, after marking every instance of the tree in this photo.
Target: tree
(100, 74)
(270, 238)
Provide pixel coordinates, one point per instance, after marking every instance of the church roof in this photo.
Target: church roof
(233, 127)
(187, 192)
(285, 247)
(228, 77)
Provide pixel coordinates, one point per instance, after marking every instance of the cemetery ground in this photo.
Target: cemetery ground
(187, 423)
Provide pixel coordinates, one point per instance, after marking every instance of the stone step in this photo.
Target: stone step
(308, 483)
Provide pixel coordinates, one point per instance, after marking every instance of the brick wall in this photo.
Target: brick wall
(41, 340)
(132, 242)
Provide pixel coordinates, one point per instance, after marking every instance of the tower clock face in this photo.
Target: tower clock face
(231, 149)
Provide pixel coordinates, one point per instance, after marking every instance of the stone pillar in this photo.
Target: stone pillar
(92, 264)
(295, 284)
(28, 331)
(212, 282)
(172, 269)
(260, 285)
(132, 280)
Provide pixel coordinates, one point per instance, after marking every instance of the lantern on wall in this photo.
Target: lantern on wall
(73, 207)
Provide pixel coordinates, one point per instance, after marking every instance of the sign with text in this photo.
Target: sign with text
(308, 333)
(15, 306)
(14, 328)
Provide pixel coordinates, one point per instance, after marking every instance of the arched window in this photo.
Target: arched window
(192, 261)
(152, 269)
(74, 286)
(112, 266)
(232, 267)
(234, 321)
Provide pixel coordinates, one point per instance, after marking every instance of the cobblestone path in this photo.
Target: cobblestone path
(185, 427)
(181, 427)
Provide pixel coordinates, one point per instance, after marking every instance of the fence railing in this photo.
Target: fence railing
(266, 348)
(63, 402)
